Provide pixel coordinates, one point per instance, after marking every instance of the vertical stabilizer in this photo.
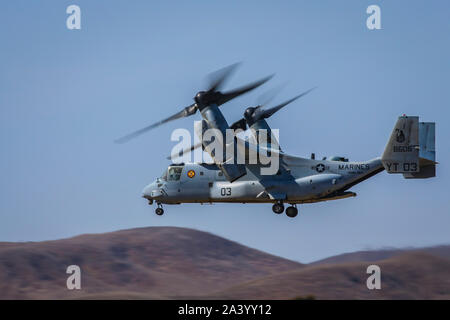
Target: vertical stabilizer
(411, 149)
(427, 152)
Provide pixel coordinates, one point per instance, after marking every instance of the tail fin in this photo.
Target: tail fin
(411, 149)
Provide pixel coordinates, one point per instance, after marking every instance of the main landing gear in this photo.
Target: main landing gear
(278, 208)
(291, 211)
(159, 210)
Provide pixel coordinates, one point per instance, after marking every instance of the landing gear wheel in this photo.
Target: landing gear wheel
(159, 211)
(278, 208)
(291, 212)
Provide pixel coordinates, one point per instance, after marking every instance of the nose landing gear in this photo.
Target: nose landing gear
(159, 211)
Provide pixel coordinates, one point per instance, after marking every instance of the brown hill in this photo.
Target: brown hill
(167, 262)
(155, 262)
(411, 275)
(381, 254)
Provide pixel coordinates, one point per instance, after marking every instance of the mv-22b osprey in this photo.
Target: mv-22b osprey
(409, 151)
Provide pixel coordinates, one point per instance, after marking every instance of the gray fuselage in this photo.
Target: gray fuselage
(300, 180)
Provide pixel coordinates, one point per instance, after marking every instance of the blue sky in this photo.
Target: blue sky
(65, 95)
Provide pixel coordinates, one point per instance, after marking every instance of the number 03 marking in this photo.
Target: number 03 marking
(225, 192)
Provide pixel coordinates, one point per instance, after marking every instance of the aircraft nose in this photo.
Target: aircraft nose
(147, 191)
(152, 191)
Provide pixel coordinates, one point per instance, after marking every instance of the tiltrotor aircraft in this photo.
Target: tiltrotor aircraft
(410, 151)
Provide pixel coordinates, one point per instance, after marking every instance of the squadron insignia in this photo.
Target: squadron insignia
(191, 173)
(400, 138)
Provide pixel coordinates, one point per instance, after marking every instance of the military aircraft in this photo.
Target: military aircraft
(410, 151)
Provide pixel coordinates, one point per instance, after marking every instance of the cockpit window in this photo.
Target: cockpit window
(164, 176)
(174, 173)
(338, 158)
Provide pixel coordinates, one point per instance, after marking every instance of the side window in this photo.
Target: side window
(174, 173)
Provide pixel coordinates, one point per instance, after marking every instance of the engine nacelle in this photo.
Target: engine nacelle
(229, 167)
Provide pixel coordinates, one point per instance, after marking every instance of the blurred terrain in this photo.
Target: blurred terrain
(171, 263)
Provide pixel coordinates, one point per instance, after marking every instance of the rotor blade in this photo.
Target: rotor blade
(265, 98)
(198, 145)
(190, 110)
(217, 78)
(269, 112)
(227, 96)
